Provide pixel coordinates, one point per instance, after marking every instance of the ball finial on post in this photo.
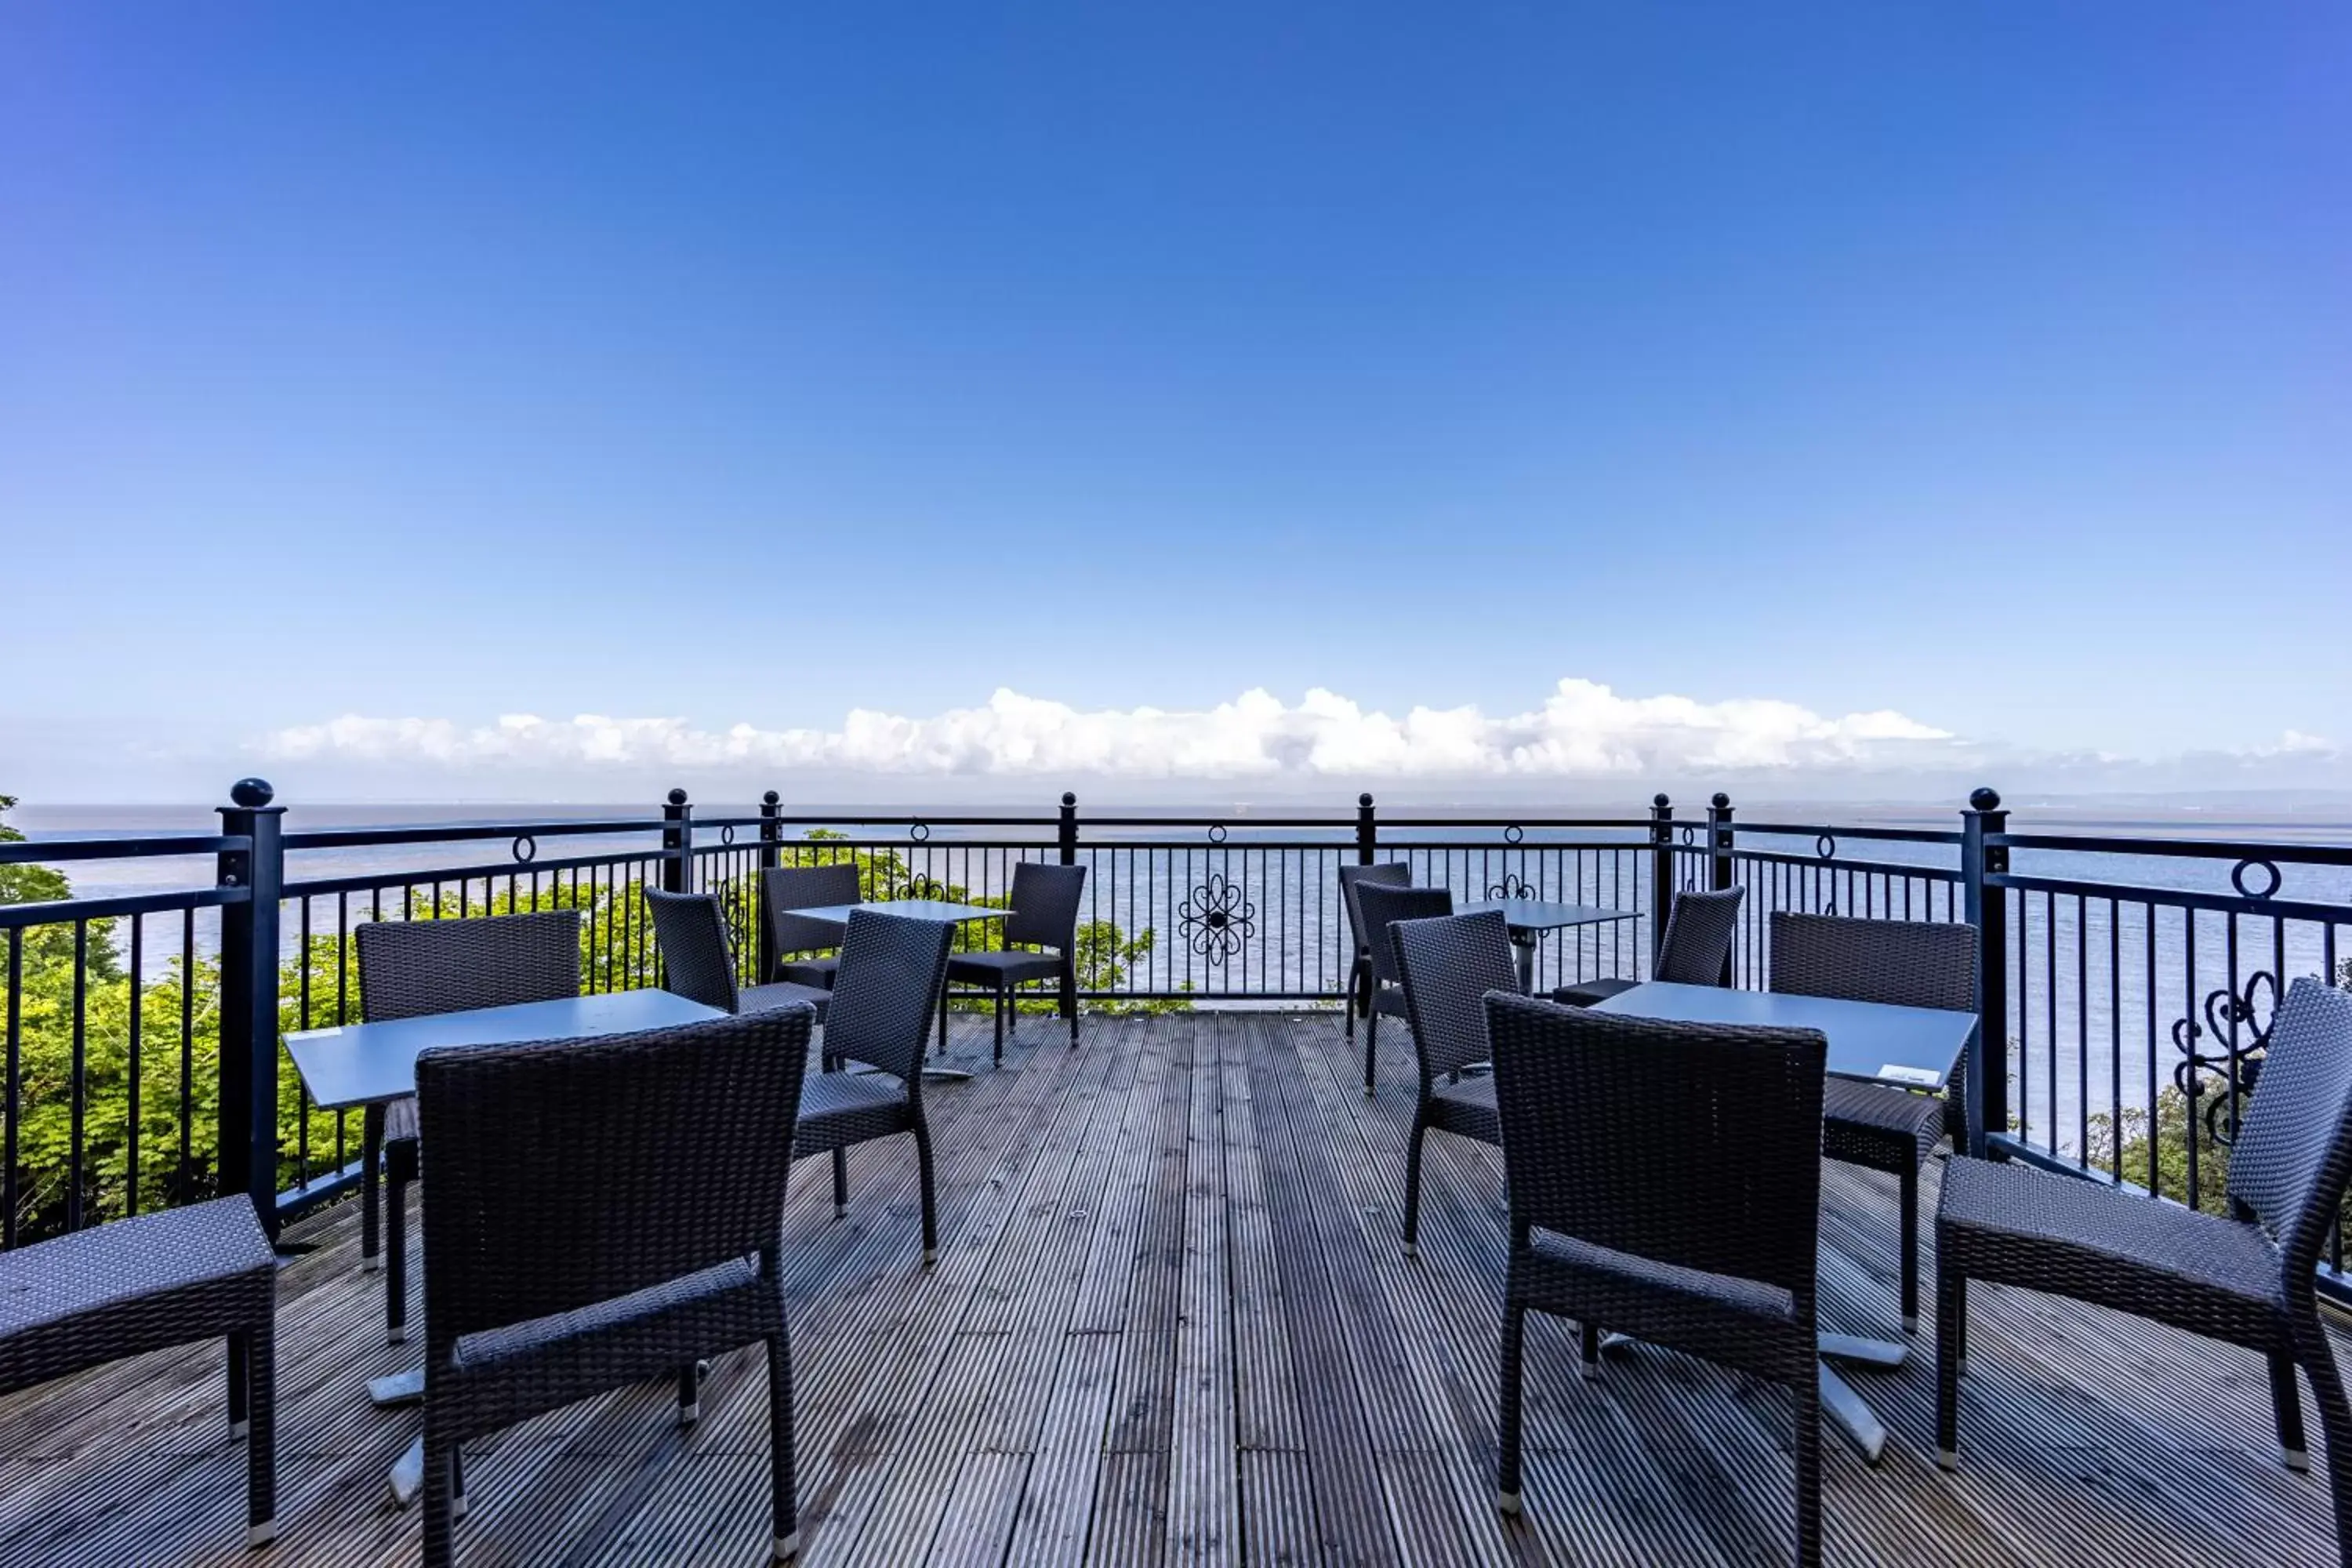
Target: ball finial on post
(1985, 799)
(1069, 797)
(1722, 801)
(771, 798)
(252, 793)
(678, 797)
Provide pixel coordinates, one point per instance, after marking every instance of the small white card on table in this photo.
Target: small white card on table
(1921, 1076)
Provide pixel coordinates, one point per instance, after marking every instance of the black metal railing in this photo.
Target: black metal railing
(2126, 981)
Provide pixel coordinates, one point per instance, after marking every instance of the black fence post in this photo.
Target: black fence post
(248, 998)
(1368, 833)
(771, 834)
(1986, 1076)
(1661, 873)
(1719, 839)
(678, 844)
(1067, 835)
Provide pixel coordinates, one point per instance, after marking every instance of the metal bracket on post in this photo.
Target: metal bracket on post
(1986, 909)
(1661, 873)
(771, 834)
(248, 1044)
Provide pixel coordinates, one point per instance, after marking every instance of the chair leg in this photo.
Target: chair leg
(1413, 1190)
(1909, 1262)
(440, 1501)
(396, 1278)
(1506, 1470)
(2318, 1359)
(1588, 1351)
(840, 1182)
(2286, 1411)
(689, 1393)
(1070, 999)
(240, 1384)
(1348, 1003)
(260, 1382)
(931, 1213)
(1951, 1325)
(1809, 1472)
(943, 1020)
(371, 1181)
(1371, 1043)
(999, 1057)
(784, 1503)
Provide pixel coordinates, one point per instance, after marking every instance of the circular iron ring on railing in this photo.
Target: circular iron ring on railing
(525, 849)
(1514, 834)
(1215, 920)
(1825, 846)
(1216, 833)
(2238, 1069)
(1512, 886)
(727, 834)
(2238, 879)
(920, 832)
(1690, 834)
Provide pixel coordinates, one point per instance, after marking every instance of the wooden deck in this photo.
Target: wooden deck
(1171, 1323)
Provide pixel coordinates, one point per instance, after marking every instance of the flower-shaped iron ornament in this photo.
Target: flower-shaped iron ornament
(1514, 886)
(1216, 918)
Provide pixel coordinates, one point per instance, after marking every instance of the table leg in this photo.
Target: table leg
(400, 1388)
(943, 1074)
(1524, 950)
(1842, 1405)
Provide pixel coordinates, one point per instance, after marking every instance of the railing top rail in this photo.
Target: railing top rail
(797, 819)
(1386, 823)
(1836, 863)
(353, 838)
(426, 876)
(1850, 830)
(2263, 904)
(43, 851)
(2184, 848)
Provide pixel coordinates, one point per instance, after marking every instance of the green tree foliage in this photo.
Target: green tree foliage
(131, 1127)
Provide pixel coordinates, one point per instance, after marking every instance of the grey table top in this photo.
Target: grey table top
(1912, 1047)
(367, 1064)
(906, 908)
(1538, 914)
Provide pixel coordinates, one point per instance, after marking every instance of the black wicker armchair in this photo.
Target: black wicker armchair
(1045, 914)
(166, 1278)
(1448, 965)
(1382, 903)
(2248, 1278)
(1910, 964)
(888, 982)
(410, 969)
(1664, 1183)
(799, 942)
(548, 1285)
(1695, 949)
(698, 963)
(1395, 874)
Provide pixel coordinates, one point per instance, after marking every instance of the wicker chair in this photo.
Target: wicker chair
(2247, 1278)
(204, 1271)
(550, 1284)
(1695, 951)
(798, 939)
(1382, 904)
(1395, 874)
(1448, 965)
(1911, 963)
(1045, 914)
(410, 969)
(698, 963)
(889, 979)
(1665, 1182)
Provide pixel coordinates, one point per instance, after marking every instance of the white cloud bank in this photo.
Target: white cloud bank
(1583, 730)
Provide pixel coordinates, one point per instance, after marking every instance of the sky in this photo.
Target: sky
(499, 401)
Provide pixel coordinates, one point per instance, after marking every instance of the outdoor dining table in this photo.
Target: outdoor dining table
(1876, 1042)
(356, 1065)
(1528, 918)
(945, 912)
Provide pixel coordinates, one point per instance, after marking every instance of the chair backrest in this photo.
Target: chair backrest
(697, 962)
(2294, 1151)
(409, 969)
(567, 1173)
(1698, 944)
(1383, 904)
(1392, 873)
(1910, 964)
(1448, 965)
(785, 888)
(1046, 906)
(891, 971)
(1694, 1144)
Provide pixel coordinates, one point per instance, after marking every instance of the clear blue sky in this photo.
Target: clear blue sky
(1991, 364)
